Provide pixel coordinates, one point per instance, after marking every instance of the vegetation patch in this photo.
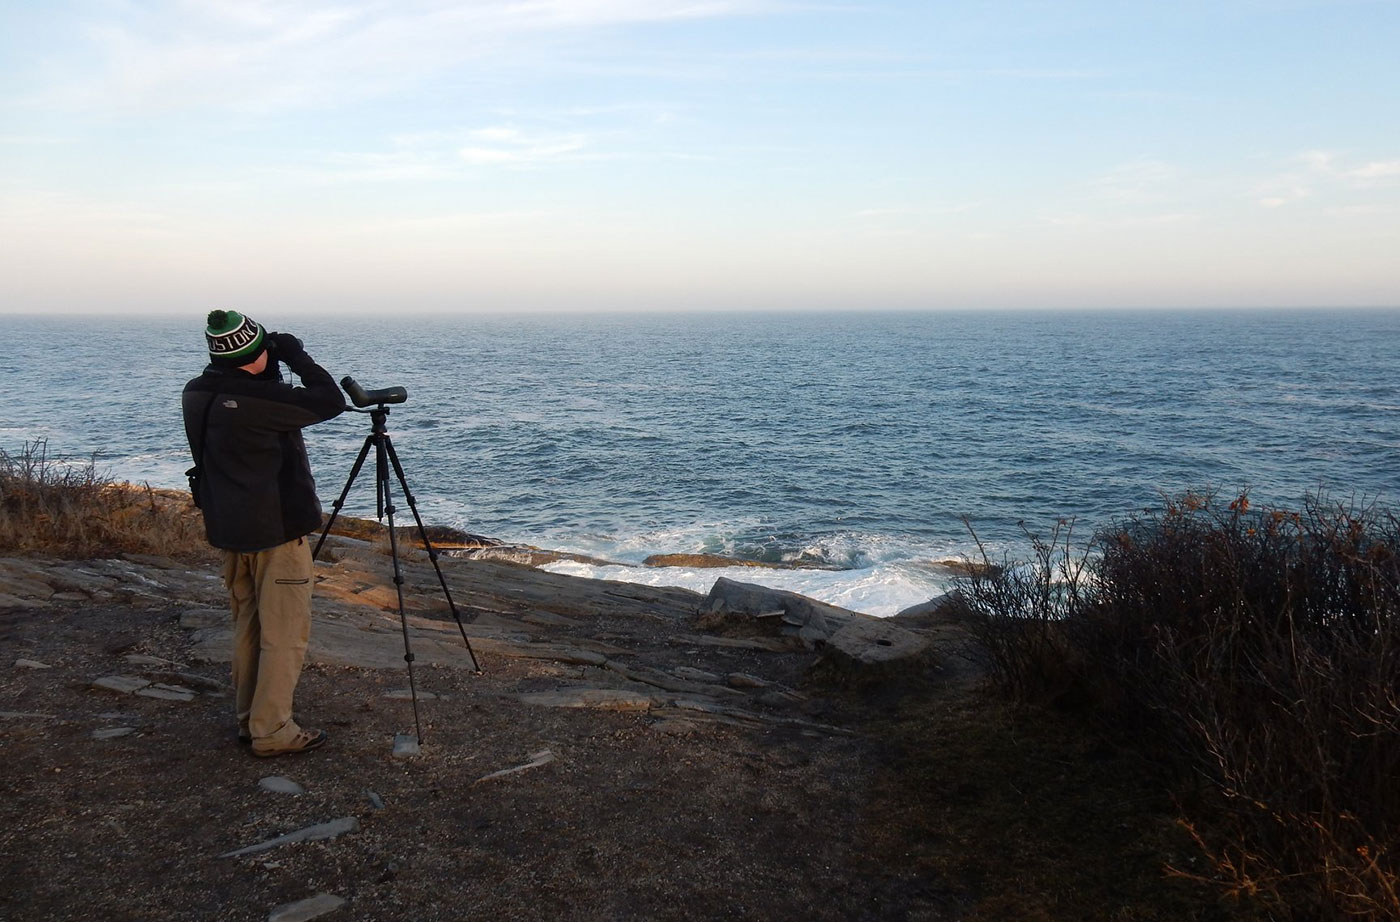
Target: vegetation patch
(57, 505)
(1252, 654)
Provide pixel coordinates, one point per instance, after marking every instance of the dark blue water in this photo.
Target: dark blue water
(859, 439)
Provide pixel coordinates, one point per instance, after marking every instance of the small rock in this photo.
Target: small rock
(141, 659)
(375, 800)
(69, 597)
(122, 684)
(607, 699)
(277, 784)
(31, 664)
(327, 830)
(203, 683)
(780, 697)
(744, 680)
(404, 694)
(205, 617)
(543, 757)
(309, 908)
(694, 675)
(111, 733)
(166, 692)
(405, 745)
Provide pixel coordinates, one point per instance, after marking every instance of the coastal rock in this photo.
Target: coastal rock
(707, 561)
(947, 607)
(531, 556)
(31, 664)
(874, 648)
(768, 611)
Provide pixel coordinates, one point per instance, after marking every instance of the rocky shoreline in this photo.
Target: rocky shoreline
(746, 676)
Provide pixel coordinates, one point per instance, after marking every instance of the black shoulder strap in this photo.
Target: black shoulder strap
(204, 429)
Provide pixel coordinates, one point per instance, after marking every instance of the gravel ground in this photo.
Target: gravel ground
(634, 818)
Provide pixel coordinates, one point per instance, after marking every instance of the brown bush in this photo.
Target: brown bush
(1256, 652)
(52, 504)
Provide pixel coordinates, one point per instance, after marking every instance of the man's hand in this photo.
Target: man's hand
(285, 347)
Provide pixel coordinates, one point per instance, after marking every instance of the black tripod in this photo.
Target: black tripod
(384, 456)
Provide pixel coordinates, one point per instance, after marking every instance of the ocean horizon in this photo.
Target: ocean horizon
(867, 443)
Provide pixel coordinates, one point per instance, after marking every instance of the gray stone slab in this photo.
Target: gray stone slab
(404, 694)
(111, 733)
(31, 664)
(694, 675)
(166, 693)
(405, 745)
(141, 659)
(607, 699)
(203, 683)
(327, 830)
(279, 784)
(310, 908)
(122, 684)
(543, 757)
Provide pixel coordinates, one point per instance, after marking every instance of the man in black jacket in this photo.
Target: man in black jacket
(259, 501)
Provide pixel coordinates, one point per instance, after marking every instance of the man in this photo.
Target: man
(259, 501)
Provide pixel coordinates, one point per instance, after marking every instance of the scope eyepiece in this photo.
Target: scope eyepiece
(363, 398)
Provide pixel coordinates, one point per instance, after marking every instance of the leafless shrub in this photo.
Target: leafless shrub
(1020, 614)
(53, 504)
(1257, 653)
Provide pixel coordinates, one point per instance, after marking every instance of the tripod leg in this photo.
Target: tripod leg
(335, 507)
(383, 488)
(432, 551)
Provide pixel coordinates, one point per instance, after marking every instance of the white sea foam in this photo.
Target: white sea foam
(881, 590)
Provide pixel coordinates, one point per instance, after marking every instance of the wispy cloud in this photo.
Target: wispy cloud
(258, 55)
(1137, 183)
(507, 145)
(1319, 172)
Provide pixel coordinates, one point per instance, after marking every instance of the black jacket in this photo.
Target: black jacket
(257, 491)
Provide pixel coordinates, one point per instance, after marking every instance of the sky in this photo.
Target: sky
(521, 155)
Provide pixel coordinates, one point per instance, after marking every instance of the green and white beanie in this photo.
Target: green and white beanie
(234, 339)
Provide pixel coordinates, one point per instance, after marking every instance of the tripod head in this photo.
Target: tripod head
(363, 398)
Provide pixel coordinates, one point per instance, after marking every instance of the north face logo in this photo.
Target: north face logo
(231, 404)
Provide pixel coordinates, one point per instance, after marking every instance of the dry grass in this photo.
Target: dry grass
(56, 505)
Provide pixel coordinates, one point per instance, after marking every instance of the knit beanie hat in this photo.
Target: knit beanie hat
(234, 339)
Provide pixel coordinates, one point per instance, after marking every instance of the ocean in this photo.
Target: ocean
(860, 441)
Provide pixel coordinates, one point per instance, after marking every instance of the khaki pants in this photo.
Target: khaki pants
(270, 594)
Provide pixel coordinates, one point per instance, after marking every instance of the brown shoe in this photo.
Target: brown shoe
(304, 741)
